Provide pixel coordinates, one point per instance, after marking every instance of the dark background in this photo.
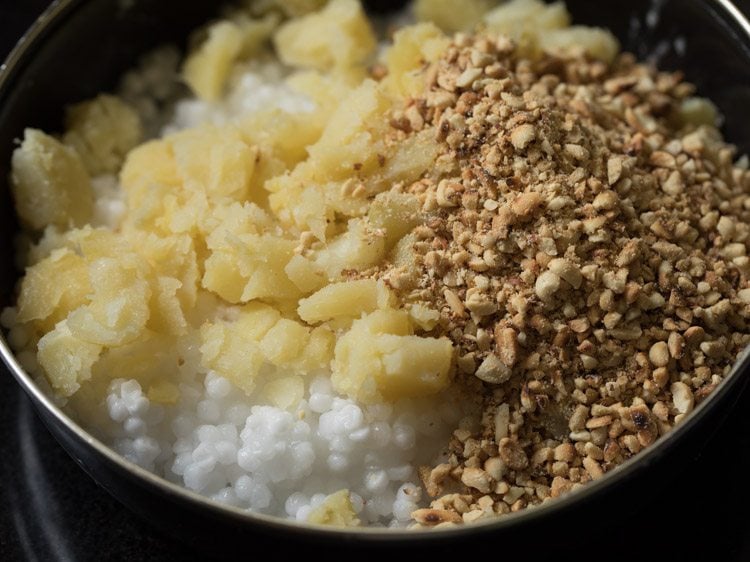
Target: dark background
(50, 510)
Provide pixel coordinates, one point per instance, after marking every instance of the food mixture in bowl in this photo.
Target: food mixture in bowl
(415, 278)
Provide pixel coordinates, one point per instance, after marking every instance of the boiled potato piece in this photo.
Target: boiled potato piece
(66, 359)
(231, 347)
(336, 510)
(348, 299)
(338, 36)
(412, 366)
(285, 135)
(547, 26)
(149, 358)
(170, 257)
(356, 249)
(348, 141)
(256, 319)
(395, 213)
(102, 131)
(214, 160)
(318, 352)
(698, 111)
(304, 274)
(119, 307)
(251, 267)
(284, 392)
(230, 353)
(413, 46)
(166, 313)
(50, 183)
(150, 181)
(284, 342)
(453, 15)
(243, 265)
(408, 160)
(379, 358)
(44, 298)
(207, 69)
(519, 17)
(386, 321)
(597, 42)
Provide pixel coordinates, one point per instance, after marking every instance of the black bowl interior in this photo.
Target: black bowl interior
(90, 43)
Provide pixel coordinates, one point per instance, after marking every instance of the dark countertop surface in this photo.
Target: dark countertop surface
(50, 510)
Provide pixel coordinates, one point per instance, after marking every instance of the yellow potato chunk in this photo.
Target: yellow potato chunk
(255, 319)
(597, 42)
(149, 358)
(150, 164)
(284, 392)
(409, 160)
(50, 183)
(348, 299)
(395, 322)
(87, 242)
(207, 69)
(251, 267)
(336, 510)
(307, 207)
(228, 220)
(453, 15)
(214, 160)
(169, 257)
(338, 36)
(304, 274)
(102, 131)
(318, 352)
(166, 312)
(223, 277)
(412, 366)
(413, 46)
(66, 359)
(284, 342)
(698, 111)
(356, 361)
(53, 287)
(119, 307)
(325, 90)
(519, 17)
(396, 214)
(357, 248)
(243, 265)
(231, 354)
(285, 135)
(379, 358)
(347, 141)
(149, 178)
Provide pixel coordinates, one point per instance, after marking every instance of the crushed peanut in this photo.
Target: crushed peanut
(572, 263)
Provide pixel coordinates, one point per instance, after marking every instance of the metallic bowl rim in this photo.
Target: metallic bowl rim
(53, 17)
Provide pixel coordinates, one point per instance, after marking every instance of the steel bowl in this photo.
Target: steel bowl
(79, 48)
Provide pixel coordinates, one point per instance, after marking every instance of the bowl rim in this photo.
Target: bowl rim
(52, 18)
